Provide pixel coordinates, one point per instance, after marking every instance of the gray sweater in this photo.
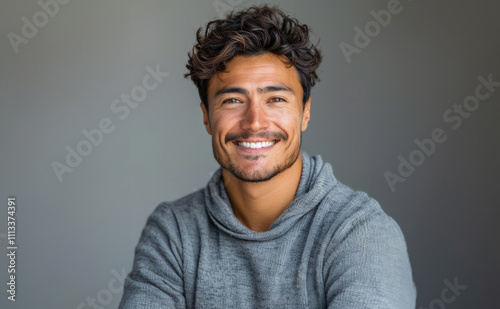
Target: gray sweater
(331, 248)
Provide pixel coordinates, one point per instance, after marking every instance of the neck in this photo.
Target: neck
(258, 205)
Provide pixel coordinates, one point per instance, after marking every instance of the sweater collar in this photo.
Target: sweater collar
(315, 182)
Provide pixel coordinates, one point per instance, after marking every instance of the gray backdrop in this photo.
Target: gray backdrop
(410, 81)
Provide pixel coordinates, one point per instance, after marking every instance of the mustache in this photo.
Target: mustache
(262, 135)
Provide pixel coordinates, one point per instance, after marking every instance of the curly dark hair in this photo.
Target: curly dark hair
(253, 31)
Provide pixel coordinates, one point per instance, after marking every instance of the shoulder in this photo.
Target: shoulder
(349, 210)
(187, 206)
(365, 253)
(174, 217)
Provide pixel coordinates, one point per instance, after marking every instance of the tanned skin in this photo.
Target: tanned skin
(257, 98)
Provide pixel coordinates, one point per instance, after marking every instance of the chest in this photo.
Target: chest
(232, 273)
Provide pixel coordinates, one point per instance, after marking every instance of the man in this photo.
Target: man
(273, 228)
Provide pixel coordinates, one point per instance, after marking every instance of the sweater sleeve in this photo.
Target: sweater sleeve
(156, 280)
(367, 265)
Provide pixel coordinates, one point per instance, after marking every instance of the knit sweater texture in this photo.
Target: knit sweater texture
(332, 247)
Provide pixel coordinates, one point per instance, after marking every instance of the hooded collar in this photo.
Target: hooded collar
(315, 182)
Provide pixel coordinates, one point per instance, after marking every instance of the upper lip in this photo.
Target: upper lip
(255, 141)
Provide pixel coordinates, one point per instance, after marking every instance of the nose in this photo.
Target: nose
(255, 118)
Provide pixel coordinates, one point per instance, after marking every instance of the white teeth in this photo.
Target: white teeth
(256, 145)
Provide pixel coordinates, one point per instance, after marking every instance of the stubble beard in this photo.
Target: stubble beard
(252, 175)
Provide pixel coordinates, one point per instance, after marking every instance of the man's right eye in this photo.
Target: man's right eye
(231, 101)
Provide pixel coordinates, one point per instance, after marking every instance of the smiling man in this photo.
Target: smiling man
(255, 116)
(273, 228)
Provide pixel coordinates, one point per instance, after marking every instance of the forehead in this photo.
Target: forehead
(256, 71)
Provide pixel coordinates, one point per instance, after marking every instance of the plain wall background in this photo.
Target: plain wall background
(73, 235)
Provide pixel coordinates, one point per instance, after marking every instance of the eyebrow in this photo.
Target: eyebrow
(272, 88)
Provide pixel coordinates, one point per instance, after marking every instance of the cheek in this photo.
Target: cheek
(222, 124)
(287, 120)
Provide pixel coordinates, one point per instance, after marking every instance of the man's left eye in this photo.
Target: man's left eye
(276, 100)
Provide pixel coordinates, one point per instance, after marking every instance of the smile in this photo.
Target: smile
(256, 145)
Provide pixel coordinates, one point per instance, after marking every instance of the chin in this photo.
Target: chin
(254, 177)
(258, 173)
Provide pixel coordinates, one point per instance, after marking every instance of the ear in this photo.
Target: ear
(206, 121)
(306, 115)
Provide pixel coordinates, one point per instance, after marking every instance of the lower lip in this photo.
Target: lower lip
(254, 150)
